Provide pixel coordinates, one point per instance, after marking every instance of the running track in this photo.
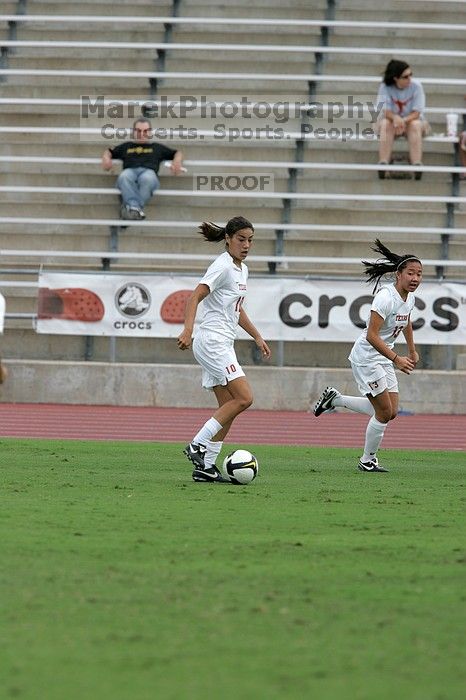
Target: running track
(441, 432)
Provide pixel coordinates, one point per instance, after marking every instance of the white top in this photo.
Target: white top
(228, 287)
(403, 101)
(395, 312)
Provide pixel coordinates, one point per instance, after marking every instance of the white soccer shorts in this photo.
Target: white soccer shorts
(375, 378)
(217, 357)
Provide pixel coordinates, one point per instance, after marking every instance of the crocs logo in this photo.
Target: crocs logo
(133, 300)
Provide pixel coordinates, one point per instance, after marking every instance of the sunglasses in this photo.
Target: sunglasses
(405, 77)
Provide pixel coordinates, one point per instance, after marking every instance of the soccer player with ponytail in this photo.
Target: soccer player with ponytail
(373, 358)
(222, 289)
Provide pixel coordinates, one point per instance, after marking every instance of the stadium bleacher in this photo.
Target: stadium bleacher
(327, 202)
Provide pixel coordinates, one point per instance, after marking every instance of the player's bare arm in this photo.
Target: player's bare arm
(185, 337)
(247, 325)
(409, 337)
(405, 364)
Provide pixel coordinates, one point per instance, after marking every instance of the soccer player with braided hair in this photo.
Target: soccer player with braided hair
(373, 357)
(222, 289)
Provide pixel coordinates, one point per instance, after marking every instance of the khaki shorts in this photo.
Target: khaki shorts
(374, 379)
(217, 357)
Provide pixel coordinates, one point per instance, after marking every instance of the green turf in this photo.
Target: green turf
(120, 579)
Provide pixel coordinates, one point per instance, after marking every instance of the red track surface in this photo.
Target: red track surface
(441, 432)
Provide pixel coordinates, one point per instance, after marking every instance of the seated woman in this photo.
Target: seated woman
(403, 101)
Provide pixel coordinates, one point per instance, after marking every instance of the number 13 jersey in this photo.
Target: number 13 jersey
(388, 304)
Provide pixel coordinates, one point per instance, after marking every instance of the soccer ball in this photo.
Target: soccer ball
(240, 467)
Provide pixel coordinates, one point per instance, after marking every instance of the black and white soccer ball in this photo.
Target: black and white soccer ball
(240, 467)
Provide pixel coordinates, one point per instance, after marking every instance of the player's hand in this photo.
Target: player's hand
(414, 357)
(263, 347)
(405, 364)
(184, 340)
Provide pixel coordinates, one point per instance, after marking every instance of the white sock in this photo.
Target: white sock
(212, 452)
(374, 435)
(355, 403)
(207, 432)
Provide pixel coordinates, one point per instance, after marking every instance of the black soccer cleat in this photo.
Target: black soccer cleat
(325, 402)
(195, 454)
(372, 466)
(211, 474)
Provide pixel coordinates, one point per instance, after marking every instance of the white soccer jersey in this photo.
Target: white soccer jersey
(395, 312)
(228, 287)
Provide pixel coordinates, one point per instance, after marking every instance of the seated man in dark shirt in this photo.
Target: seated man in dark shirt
(141, 158)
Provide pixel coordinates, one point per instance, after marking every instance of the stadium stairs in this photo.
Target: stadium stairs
(372, 212)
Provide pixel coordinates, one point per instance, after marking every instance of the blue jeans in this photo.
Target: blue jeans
(137, 185)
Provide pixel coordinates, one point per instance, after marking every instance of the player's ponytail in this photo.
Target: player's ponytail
(390, 263)
(213, 232)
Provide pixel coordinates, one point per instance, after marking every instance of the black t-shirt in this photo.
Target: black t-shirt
(142, 155)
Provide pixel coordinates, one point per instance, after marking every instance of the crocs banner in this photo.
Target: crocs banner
(282, 308)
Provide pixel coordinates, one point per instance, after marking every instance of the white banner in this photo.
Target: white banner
(282, 308)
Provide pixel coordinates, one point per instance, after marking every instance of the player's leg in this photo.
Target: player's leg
(221, 373)
(332, 398)
(238, 399)
(214, 445)
(384, 399)
(209, 448)
(241, 398)
(379, 385)
(375, 431)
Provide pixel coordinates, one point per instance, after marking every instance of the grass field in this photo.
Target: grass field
(122, 579)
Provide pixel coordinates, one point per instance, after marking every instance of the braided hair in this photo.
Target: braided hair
(213, 232)
(391, 262)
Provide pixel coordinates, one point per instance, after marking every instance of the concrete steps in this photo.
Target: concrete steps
(138, 8)
(19, 334)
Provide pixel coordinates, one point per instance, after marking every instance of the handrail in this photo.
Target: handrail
(260, 48)
(258, 164)
(210, 75)
(324, 260)
(344, 228)
(183, 133)
(242, 195)
(177, 104)
(204, 21)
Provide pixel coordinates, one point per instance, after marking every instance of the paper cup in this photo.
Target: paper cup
(452, 124)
